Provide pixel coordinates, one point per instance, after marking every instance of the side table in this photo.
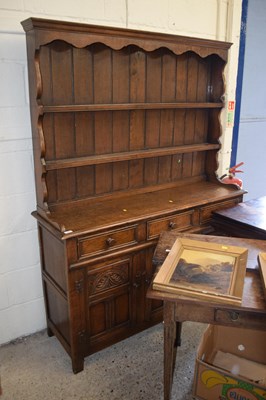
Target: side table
(247, 219)
(250, 314)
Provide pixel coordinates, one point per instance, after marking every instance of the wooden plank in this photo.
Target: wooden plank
(192, 77)
(137, 129)
(85, 181)
(152, 129)
(102, 74)
(153, 94)
(198, 163)
(216, 79)
(66, 184)
(187, 165)
(179, 127)
(83, 76)
(103, 179)
(201, 126)
(127, 106)
(181, 78)
(131, 155)
(120, 175)
(137, 94)
(51, 182)
(120, 131)
(190, 126)
(62, 73)
(136, 176)
(203, 80)
(177, 167)
(151, 171)
(64, 136)
(103, 123)
(167, 116)
(84, 134)
(120, 76)
(137, 75)
(165, 168)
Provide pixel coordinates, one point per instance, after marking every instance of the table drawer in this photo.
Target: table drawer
(206, 212)
(107, 241)
(240, 319)
(176, 221)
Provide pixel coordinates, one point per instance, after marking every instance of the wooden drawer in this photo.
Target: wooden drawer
(107, 241)
(240, 319)
(176, 221)
(206, 212)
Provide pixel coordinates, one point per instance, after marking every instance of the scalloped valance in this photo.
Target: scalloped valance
(82, 35)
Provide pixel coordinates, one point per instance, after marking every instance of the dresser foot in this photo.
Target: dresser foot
(78, 365)
(50, 333)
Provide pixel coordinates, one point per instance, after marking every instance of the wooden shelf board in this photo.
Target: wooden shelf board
(129, 155)
(125, 106)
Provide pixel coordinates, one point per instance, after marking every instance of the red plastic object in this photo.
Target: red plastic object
(230, 178)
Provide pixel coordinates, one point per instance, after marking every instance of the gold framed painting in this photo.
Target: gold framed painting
(203, 270)
(262, 265)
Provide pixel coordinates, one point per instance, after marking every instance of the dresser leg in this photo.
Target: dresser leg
(50, 333)
(77, 365)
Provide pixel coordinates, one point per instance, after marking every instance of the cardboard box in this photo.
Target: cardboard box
(230, 365)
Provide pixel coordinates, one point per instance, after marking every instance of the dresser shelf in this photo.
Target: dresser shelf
(132, 155)
(127, 106)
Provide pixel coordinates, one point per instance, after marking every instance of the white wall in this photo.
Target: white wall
(21, 301)
(252, 126)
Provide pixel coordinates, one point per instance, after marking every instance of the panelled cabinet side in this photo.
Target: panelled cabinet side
(126, 130)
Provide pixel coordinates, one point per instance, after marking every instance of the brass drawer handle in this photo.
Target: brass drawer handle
(172, 225)
(110, 241)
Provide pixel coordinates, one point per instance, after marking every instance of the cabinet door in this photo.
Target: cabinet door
(144, 310)
(108, 302)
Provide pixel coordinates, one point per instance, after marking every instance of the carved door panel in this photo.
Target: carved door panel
(108, 301)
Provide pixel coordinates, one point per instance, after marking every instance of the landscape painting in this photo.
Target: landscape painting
(204, 270)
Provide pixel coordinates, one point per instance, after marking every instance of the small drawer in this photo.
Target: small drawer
(206, 212)
(91, 245)
(176, 221)
(240, 318)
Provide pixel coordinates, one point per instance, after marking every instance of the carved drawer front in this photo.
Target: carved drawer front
(177, 221)
(106, 277)
(91, 245)
(206, 212)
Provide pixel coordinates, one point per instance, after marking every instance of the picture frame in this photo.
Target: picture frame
(203, 270)
(262, 267)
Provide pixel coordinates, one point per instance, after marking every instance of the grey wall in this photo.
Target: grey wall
(252, 127)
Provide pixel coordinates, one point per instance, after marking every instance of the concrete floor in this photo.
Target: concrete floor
(38, 368)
